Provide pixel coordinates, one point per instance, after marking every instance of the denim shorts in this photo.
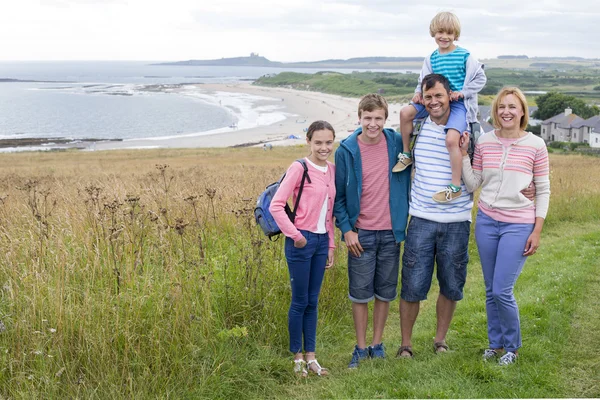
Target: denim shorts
(445, 243)
(375, 273)
(457, 119)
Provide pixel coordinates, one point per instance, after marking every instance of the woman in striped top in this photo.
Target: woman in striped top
(509, 225)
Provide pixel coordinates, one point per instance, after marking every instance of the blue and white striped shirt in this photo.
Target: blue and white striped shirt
(433, 173)
(452, 65)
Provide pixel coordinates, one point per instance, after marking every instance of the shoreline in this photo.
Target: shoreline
(299, 107)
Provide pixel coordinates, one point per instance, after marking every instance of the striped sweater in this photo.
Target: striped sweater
(433, 173)
(502, 172)
(452, 65)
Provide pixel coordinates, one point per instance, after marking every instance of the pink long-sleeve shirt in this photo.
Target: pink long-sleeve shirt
(309, 209)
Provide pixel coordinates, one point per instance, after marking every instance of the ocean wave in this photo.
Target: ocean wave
(244, 107)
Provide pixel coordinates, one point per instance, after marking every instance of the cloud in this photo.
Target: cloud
(288, 30)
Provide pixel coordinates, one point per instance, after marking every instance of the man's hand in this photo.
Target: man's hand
(354, 247)
(300, 243)
(529, 192)
(417, 98)
(329, 259)
(454, 96)
(464, 143)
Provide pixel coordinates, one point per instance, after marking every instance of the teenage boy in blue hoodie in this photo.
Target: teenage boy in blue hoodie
(371, 210)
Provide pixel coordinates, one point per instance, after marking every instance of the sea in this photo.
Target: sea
(125, 100)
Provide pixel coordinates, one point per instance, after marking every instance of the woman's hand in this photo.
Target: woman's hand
(454, 96)
(329, 259)
(300, 243)
(533, 242)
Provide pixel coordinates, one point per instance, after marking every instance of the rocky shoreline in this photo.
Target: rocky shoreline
(53, 143)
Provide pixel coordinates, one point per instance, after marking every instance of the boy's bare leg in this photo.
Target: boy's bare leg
(360, 312)
(407, 115)
(380, 314)
(452, 144)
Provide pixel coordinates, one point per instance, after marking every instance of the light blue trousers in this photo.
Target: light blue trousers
(501, 246)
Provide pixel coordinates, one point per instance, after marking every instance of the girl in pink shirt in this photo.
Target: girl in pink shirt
(309, 242)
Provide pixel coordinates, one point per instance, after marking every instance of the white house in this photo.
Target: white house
(568, 127)
(595, 139)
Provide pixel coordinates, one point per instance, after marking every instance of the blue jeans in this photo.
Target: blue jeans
(375, 272)
(501, 246)
(446, 244)
(306, 267)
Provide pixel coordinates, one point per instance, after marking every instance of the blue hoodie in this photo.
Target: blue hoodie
(348, 183)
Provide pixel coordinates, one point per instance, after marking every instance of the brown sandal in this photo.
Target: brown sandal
(440, 347)
(405, 349)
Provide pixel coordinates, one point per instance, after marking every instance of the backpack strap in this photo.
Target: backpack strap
(474, 137)
(305, 176)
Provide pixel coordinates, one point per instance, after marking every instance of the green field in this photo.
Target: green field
(141, 274)
(582, 82)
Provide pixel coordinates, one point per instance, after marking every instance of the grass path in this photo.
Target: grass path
(560, 322)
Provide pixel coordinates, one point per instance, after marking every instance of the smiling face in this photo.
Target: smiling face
(445, 41)
(372, 123)
(321, 146)
(436, 100)
(510, 112)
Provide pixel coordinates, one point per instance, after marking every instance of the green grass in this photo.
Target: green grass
(122, 278)
(399, 86)
(550, 292)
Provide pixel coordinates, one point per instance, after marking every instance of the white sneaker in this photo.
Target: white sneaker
(508, 358)
(488, 354)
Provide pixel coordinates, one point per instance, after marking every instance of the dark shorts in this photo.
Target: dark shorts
(447, 245)
(457, 119)
(375, 273)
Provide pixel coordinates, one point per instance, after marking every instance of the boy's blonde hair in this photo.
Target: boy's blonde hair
(371, 102)
(445, 22)
(522, 99)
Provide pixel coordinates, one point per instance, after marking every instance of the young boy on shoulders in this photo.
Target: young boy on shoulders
(466, 78)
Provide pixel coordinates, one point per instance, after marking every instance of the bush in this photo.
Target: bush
(535, 129)
(573, 146)
(557, 145)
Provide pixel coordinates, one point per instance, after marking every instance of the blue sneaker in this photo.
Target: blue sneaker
(377, 351)
(357, 355)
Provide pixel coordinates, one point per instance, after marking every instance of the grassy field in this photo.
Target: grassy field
(580, 82)
(140, 274)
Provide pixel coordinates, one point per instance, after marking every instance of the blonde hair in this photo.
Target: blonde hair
(445, 22)
(505, 91)
(371, 102)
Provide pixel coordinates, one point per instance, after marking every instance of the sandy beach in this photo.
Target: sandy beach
(300, 108)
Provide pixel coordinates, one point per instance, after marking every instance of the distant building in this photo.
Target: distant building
(485, 117)
(568, 127)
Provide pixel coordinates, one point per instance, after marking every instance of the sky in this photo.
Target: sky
(289, 30)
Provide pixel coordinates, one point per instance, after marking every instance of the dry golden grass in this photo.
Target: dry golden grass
(139, 273)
